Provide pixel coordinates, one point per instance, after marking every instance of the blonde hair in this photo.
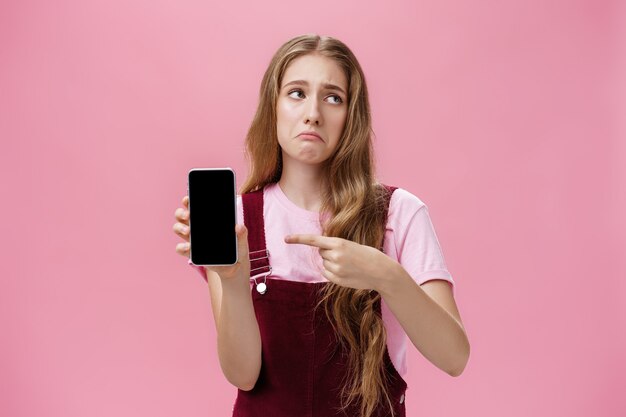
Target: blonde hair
(352, 197)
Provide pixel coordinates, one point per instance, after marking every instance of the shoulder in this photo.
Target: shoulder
(404, 204)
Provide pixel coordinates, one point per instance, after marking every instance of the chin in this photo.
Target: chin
(305, 155)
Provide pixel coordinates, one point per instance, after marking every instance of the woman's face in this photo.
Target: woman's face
(312, 97)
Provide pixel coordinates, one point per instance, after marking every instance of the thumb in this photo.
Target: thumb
(242, 240)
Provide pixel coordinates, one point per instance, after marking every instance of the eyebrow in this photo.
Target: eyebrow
(325, 85)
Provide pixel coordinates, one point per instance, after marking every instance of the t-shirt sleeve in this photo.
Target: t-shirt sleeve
(415, 241)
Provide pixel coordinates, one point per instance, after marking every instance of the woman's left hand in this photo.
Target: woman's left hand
(348, 263)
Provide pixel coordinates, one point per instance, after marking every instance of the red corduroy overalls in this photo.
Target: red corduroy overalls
(303, 365)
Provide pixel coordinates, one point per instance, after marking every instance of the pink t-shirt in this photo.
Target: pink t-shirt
(410, 239)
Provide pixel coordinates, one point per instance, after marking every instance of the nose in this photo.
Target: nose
(312, 112)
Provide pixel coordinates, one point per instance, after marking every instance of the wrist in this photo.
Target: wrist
(235, 282)
(391, 280)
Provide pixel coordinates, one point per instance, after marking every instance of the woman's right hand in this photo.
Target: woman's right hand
(238, 335)
(239, 271)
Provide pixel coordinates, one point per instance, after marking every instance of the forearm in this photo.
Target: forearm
(431, 329)
(238, 335)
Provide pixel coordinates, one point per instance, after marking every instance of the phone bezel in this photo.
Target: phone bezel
(235, 213)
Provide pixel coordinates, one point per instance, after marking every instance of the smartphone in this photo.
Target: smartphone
(212, 216)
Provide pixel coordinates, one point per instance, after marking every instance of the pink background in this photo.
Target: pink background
(506, 118)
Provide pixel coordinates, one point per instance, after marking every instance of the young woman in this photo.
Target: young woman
(335, 269)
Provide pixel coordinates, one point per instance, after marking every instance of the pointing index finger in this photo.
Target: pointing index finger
(323, 242)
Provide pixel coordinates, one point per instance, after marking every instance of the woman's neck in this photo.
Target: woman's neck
(302, 184)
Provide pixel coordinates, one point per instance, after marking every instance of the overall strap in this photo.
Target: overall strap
(390, 189)
(389, 192)
(253, 219)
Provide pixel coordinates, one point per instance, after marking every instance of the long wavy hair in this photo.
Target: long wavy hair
(354, 201)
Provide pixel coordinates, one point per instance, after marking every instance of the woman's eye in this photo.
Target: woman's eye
(294, 91)
(337, 98)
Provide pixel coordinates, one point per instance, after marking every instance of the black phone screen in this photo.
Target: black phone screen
(212, 216)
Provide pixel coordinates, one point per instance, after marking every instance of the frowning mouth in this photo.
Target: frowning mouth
(310, 135)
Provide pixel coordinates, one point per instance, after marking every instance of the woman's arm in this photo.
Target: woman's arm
(429, 316)
(238, 335)
(431, 323)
